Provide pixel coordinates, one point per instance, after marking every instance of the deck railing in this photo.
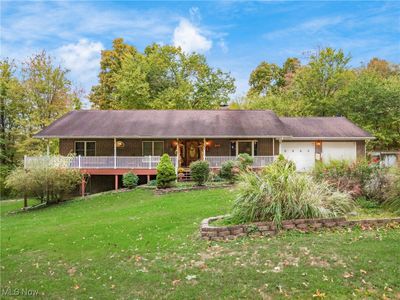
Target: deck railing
(95, 162)
(259, 161)
(125, 162)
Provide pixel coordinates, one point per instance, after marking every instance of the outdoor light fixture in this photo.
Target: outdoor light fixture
(120, 144)
(318, 143)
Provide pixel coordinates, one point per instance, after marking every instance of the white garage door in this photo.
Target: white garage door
(338, 151)
(302, 153)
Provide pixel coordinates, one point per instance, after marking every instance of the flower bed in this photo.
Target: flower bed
(216, 233)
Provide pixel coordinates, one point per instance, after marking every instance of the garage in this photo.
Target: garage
(301, 153)
(338, 151)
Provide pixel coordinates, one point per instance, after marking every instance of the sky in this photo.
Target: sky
(234, 36)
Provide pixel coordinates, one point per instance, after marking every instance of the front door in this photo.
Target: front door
(192, 152)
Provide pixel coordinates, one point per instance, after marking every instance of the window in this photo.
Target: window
(85, 148)
(245, 147)
(249, 147)
(153, 148)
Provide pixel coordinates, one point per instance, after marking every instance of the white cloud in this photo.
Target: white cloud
(190, 38)
(309, 27)
(82, 59)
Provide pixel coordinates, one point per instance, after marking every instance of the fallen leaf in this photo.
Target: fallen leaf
(190, 277)
(319, 295)
(176, 282)
(348, 275)
(71, 271)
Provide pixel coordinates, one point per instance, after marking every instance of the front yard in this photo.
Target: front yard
(139, 245)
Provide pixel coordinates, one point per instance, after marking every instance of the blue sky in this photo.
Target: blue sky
(234, 36)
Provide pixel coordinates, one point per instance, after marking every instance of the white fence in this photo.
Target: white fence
(259, 161)
(125, 162)
(95, 162)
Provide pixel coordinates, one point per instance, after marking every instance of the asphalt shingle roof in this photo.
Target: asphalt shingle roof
(195, 123)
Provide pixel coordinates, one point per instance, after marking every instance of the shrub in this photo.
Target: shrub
(165, 172)
(213, 177)
(152, 182)
(279, 193)
(392, 194)
(199, 171)
(374, 187)
(49, 184)
(130, 180)
(244, 161)
(229, 171)
(358, 178)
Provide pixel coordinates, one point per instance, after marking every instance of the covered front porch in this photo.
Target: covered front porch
(142, 155)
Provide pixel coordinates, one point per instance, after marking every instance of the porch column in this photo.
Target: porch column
(280, 146)
(178, 155)
(273, 147)
(116, 182)
(204, 148)
(83, 183)
(115, 153)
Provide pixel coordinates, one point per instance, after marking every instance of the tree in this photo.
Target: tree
(319, 82)
(373, 102)
(383, 67)
(110, 65)
(48, 94)
(12, 108)
(269, 78)
(32, 95)
(162, 77)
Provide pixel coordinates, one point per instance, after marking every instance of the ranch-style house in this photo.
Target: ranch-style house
(105, 144)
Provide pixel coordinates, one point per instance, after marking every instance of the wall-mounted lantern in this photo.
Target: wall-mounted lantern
(120, 144)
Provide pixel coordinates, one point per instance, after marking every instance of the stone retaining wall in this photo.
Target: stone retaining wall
(216, 233)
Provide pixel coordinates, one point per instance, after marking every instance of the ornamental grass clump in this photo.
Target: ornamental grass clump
(279, 193)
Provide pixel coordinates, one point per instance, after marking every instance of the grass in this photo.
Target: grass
(137, 245)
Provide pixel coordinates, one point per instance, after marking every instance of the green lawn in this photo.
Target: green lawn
(137, 245)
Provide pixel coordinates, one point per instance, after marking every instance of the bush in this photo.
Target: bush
(130, 180)
(376, 185)
(279, 193)
(392, 194)
(152, 182)
(49, 184)
(229, 171)
(244, 161)
(358, 178)
(165, 172)
(213, 177)
(199, 171)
